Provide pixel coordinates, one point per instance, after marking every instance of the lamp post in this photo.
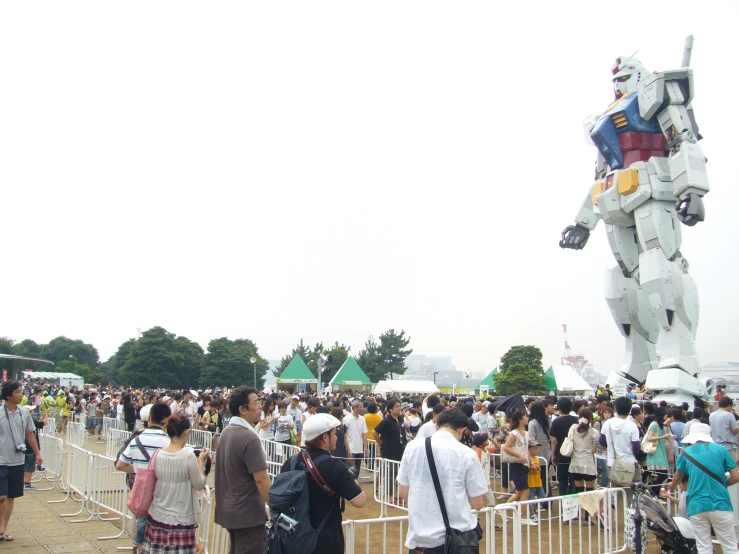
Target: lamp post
(253, 361)
(435, 374)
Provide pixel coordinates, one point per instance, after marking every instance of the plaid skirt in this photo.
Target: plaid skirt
(162, 538)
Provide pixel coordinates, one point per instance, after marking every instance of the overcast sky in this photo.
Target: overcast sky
(330, 170)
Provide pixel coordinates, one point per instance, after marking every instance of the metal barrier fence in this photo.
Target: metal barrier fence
(212, 538)
(277, 454)
(52, 452)
(49, 428)
(200, 439)
(504, 531)
(80, 418)
(386, 486)
(112, 423)
(114, 440)
(75, 434)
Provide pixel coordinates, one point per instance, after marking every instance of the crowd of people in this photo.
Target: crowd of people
(410, 430)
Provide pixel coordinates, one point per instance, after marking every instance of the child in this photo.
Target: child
(535, 485)
(284, 424)
(480, 442)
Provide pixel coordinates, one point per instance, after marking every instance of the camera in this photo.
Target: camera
(20, 448)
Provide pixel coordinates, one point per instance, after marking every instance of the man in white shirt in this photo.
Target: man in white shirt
(462, 481)
(428, 404)
(481, 415)
(356, 430)
(135, 457)
(429, 428)
(621, 437)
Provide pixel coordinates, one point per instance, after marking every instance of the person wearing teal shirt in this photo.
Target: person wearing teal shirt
(708, 502)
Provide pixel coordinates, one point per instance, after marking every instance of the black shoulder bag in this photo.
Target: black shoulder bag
(455, 542)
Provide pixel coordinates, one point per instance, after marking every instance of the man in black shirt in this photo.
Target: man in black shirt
(320, 438)
(390, 432)
(558, 433)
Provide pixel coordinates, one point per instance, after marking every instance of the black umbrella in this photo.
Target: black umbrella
(512, 401)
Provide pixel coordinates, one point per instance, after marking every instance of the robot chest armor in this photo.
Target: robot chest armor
(623, 137)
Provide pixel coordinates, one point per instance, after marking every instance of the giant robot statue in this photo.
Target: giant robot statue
(650, 178)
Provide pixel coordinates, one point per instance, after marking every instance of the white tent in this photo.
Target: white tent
(568, 381)
(61, 379)
(403, 386)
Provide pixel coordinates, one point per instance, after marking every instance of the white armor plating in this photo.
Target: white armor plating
(650, 177)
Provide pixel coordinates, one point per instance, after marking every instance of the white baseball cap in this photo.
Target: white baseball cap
(319, 424)
(144, 414)
(296, 397)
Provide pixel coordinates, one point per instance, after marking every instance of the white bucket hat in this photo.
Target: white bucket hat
(699, 432)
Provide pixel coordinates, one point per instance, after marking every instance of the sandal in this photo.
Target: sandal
(7, 537)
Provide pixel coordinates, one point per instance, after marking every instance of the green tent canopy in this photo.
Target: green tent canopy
(489, 381)
(297, 372)
(350, 374)
(549, 380)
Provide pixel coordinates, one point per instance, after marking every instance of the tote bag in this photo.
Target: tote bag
(568, 446)
(142, 493)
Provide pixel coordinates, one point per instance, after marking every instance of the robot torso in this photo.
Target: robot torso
(623, 136)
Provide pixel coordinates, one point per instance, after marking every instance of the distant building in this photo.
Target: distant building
(724, 373)
(421, 367)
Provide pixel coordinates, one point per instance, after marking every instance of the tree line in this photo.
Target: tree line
(159, 358)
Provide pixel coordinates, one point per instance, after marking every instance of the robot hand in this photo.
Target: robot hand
(690, 210)
(575, 237)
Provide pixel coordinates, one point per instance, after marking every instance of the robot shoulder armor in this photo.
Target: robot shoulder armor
(658, 90)
(587, 126)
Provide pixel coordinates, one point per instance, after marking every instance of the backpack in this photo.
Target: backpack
(290, 530)
(131, 477)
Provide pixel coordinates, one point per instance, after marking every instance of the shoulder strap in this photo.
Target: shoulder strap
(312, 468)
(437, 485)
(704, 468)
(141, 448)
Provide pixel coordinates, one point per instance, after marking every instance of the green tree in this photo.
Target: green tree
(369, 360)
(6, 345)
(520, 371)
(337, 355)
(60, 348)
(113, 365)
(228, 363)
(304, 351)
(27, 348)
(392, 354)
(160, 358)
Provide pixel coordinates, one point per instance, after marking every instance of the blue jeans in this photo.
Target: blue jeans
(563, 478)
(603, 466)
(536, 493)
(140, 529)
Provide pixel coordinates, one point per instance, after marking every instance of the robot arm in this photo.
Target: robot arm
(576, 236)
(667, 96)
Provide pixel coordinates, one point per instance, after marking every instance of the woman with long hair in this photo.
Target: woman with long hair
(175, 511)
(539, 430)
(601, 454)
(517, 445)
(267, 419)
(657, 462)
(582, 462)
(129, 412)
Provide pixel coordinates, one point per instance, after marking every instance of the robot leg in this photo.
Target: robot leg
(635, 321)
(662, 277)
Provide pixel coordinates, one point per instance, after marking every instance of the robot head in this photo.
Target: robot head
(627, 73)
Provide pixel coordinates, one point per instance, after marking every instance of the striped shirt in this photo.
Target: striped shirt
(152, 440)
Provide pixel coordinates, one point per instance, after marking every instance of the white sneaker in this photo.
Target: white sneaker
(529, 522)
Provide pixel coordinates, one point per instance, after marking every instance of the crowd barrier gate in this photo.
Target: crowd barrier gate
(200, 439)
(75, 434)
(51, 452)
(114, 440)
(277, 454)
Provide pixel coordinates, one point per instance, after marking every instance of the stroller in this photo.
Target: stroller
(675, 535)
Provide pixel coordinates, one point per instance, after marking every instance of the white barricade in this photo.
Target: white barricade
(78, 472)
(200, 439)
(504, 531)
(370, 462)
(386, 486)
(212, 538)
(109, 495)
(114, 440)
(80, 418)
(51, 451)
(277, 454)
(75, 434)
(49, 428)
